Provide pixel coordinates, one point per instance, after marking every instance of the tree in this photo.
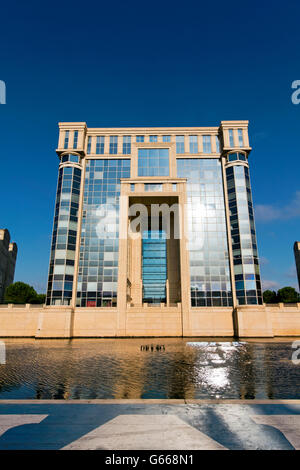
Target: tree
(20, 293)
(287, 295)
(270, 297)
(40, 299)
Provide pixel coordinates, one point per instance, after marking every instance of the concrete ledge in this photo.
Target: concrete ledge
(151, 401)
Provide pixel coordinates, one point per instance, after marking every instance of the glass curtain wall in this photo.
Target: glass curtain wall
(99, 245)
(208, 247)
(62, 258)
(153, 162)
(154, 266)
(244, 246)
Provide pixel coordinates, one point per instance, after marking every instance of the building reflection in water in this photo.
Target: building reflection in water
(125, 368)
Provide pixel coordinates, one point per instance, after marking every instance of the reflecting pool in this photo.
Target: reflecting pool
(149, 368)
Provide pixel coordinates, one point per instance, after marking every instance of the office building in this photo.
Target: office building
(154, 217)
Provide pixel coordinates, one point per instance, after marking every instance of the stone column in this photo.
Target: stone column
(122, 266)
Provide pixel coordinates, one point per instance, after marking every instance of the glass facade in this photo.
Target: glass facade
(208, 247)
(99, 244)
(62, 258)
(153, 162)
(244, 246)
(154, 266)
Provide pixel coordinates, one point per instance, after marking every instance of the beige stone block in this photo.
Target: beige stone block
(254, 322)
(216, 321)
(22, 323)
(54, 323)
(286, 322)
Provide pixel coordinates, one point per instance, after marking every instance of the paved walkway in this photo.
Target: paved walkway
(149, 424)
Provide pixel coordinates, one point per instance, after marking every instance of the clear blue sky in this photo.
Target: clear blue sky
(156, 64)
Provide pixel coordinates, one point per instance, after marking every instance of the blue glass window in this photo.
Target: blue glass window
(166, 138)
(152, 138)
(240, 285)
(100, 144)
(74, 158)
(180, 144)
(206, 144)
(140, 138)
(193, 143)
(75, 141)
(217, 143)
(113, 144)
(70, 158)
(240, 137)
(153, 187)
(231, 141)
(153, 162)
(126, 144)
(89, 145)
(154, 266)
(236, 156)
(232, 157)
(66, 142)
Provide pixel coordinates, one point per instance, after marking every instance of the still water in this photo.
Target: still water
(148, 368)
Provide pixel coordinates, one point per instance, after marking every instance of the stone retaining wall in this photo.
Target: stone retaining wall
(39, 321)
